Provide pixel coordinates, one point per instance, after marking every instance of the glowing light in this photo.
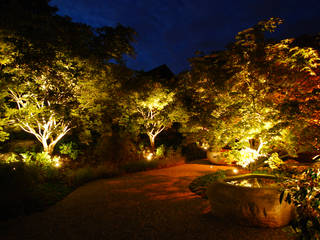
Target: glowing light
(249, 155)
(211, 166)
(149, 156)
(56, 161)
(204, 146)
(235, 170)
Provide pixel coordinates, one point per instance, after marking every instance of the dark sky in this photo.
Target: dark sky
(170, 31)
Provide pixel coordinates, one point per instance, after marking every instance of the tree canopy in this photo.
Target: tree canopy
(248, 93)
(59, 63)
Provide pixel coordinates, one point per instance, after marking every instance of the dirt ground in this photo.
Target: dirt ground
(149, 205)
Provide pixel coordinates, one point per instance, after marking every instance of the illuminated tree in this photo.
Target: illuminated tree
(61, 62)
(238, 90)
(35, 117)
(151, 110)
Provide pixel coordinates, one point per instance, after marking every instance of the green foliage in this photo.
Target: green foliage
(12, 158)
(151, 110)
(160, 152)
(70, 149)
(303, 190)
(193, 152)
(137, 166)
(27, 188)
(43, 158)
(82, 175)
(274, 161)
(66, 80)
(237, 97)
(40, 159)
(171, 158)
(63, 64)
(3, 134)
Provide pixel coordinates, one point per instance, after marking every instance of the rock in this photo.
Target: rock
(249, 206)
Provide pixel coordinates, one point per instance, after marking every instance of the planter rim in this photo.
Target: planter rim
(246, 176)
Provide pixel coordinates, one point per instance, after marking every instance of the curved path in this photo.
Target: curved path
(149, 205)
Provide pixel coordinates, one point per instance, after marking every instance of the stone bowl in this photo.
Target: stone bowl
(250, 206)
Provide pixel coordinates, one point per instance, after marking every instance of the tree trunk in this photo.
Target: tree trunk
(152, 142)
(48, 148)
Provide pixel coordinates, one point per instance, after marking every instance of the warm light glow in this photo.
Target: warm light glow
(56, 161)
(235, 170)
(249, 155)
(205, 146)
(149, 156)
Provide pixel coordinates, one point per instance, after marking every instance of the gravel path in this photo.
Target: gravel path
(149, 205)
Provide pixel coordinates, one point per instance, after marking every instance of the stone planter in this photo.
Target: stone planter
(216, 158)
(249, 206)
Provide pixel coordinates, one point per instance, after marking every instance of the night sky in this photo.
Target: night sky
(170, 31)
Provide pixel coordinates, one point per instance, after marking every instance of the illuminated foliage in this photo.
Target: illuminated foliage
(35, 117)
(245, 95)
(151, 110)
(303, 190)
(61, 62)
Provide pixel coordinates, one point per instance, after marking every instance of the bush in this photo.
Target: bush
(171, 158)
(116, 149)
(80, 176)
(160, 152)
(193, 152)
(304, 192)
(141, 165)
(70, 149)
(20, 186)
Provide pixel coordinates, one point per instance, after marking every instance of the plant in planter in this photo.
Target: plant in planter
(304, 192)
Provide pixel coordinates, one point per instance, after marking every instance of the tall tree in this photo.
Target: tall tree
(52, 59)
(238, 88)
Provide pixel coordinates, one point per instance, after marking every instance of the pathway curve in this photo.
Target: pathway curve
(149, 205)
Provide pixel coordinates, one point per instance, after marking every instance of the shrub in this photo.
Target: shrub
(20, 187)
(193, 152)
(70, 149)
(304, 192)
(141, 165)
(117, 149)
(160, 152)
(79, 176)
